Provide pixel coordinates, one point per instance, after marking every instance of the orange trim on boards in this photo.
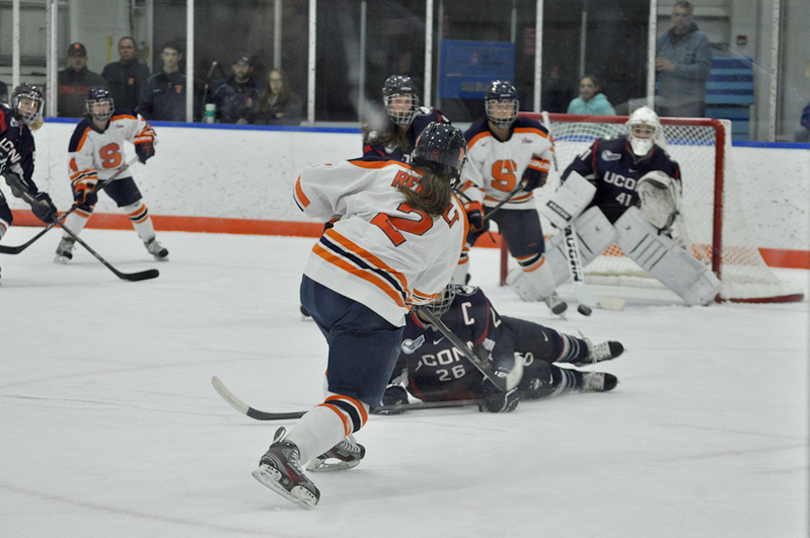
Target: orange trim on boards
(790, 259)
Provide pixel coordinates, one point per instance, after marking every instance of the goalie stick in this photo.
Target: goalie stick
(100, 185)
(253, 413)
(584, 297)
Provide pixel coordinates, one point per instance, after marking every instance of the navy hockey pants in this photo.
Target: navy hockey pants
(363, 347)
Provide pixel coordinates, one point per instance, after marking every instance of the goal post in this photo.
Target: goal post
(710, 206)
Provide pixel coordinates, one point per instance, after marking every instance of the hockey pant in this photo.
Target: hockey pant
(595, 233)
(665, 260)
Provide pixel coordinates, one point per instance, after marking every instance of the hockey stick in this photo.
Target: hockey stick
(499, 382)
(132, 277)
(584, 297)
(253, 413)
(100, 185)
(504, 201)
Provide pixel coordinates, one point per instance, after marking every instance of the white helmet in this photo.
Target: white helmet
(643, 131)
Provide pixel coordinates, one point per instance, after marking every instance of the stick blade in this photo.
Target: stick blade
(143, 275)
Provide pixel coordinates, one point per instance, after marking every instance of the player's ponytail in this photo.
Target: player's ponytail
(432, 194)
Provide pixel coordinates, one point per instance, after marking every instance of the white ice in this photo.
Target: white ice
(110, 425)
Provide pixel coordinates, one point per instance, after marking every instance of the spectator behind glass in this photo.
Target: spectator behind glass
(73, 83)
(803, 134)
(127, 78)
(237, 97)
(683, 64)
(590, 101)
(3, 93)
(166, 89)
(278, 104)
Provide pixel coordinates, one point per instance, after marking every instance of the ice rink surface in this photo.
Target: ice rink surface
(110, 425)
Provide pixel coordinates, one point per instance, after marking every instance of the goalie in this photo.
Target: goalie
(627, 191)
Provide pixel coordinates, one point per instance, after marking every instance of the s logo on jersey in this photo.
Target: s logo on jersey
(608, 155)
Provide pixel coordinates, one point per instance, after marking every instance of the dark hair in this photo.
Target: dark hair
(283, 95)
(172, 45)
(381, 130)
(593, 79)
(134, 43)
(686, 5)
(433, 194)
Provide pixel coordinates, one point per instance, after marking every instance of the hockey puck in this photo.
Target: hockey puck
(584, 310)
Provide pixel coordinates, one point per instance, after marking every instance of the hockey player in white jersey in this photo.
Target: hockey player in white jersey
(96, 153)
(627, 190)
(509, 157)
(398, 231)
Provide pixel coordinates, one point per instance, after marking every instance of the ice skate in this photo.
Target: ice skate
(598, 382)
(601, 352)
(555, 304)
(157, 250)
(280, 471)
(64, 252)
(344, 455)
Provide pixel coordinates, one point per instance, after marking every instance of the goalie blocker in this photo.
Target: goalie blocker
(659, 255)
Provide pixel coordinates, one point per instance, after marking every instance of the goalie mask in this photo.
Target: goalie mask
(501, 104)
(442, 148)
(643, 131)
(400, 98)
(27, 102)
(97, 98)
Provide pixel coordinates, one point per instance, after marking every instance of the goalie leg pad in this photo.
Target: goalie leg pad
(594, 232)
(665, 260)
(570, 199)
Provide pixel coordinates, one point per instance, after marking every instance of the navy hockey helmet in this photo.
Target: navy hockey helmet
(400, 98)
(99, 95)
(25, 113)
(501, 103)
(442, 148)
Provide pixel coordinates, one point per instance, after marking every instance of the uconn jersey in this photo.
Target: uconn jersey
(611, 166)
(436, 369)
(424, 116)
(17, 142)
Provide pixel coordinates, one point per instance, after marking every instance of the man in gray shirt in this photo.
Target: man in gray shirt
(683, 62)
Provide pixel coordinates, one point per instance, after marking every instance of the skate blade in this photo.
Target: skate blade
(322, 466)
(299, 494)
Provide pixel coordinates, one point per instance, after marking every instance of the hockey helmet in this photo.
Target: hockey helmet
(27, 91)
(98, 95)
(501, 104)
(441, 304)
(442, 148)
(400, 98)
(643, 131)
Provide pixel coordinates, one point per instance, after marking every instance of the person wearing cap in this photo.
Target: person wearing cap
(73, 83)
(127, 77)
(237, 97)
(166, 89)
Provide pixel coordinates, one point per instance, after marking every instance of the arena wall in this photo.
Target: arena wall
(216, 178)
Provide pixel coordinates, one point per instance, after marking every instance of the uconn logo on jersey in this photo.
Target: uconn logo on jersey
(619, 180)
(8, 146)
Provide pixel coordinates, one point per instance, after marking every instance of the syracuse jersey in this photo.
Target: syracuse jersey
(381, 252)
(95, 154)
(494, 167)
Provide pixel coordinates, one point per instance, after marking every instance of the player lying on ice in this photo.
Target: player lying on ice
(627, 190)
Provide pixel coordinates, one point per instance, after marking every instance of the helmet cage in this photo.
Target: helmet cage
(441, 304)
(501, 122)
(397, 115)
(644, 117)
(27, 91)
(101, 116)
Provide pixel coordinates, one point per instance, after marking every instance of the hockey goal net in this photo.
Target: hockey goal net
(711, 208)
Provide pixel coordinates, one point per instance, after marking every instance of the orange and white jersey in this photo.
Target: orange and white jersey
(92, 152)
(495, 168)
(380, 252)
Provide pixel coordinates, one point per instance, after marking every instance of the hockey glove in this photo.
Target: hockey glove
(43, 208)
(84, 191)
(535, 174)
(499, 401)
(475, 216)
(145, 145)
(394, 395)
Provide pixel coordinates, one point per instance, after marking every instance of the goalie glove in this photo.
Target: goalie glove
(145, 144)
(536, 173)
(43, 208)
